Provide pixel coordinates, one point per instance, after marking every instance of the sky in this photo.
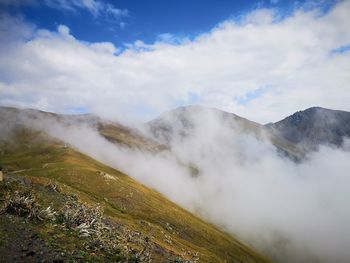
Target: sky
(133, 60)
(93, 21)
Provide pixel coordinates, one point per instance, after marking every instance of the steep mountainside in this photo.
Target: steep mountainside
(313, 127)
(60, 205)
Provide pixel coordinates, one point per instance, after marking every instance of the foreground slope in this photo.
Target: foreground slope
(142, 224)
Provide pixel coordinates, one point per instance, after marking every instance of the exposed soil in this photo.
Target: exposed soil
(20, 243)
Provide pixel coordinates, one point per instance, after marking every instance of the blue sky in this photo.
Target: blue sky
(142, 20)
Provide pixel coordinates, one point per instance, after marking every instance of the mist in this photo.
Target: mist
(292, 212)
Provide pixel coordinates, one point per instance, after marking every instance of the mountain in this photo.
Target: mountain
(60, 205)
(294, 136)
(314, 127)
(180, 123)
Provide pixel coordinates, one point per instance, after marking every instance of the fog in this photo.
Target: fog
(292, 212)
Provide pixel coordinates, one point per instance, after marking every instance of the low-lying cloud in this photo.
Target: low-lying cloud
(291, 212)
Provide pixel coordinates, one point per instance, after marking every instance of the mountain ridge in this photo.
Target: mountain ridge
(295, 135)
(324, 127)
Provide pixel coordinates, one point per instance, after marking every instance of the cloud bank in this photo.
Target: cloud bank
(291, 212)
(261, 66)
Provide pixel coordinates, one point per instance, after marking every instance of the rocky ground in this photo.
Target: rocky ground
(68, 231)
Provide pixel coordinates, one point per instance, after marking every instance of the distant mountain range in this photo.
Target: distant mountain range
(295, 136)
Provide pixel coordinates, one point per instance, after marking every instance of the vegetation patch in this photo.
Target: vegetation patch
(95, 237)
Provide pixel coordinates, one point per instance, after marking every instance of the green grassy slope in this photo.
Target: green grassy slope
(33, 161)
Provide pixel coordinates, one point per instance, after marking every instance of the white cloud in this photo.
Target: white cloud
(13, 29)
(122, 25)
(63, 30)
(289, 60)
(95, 7)
(115, 11)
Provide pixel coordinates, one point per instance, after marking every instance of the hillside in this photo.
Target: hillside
(69, 207)
(112, 131)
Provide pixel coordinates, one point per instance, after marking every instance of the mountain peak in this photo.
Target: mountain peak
(182, 121)
(314, 126)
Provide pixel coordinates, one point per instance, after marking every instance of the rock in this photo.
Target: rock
(30, 254)
(1, 176)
